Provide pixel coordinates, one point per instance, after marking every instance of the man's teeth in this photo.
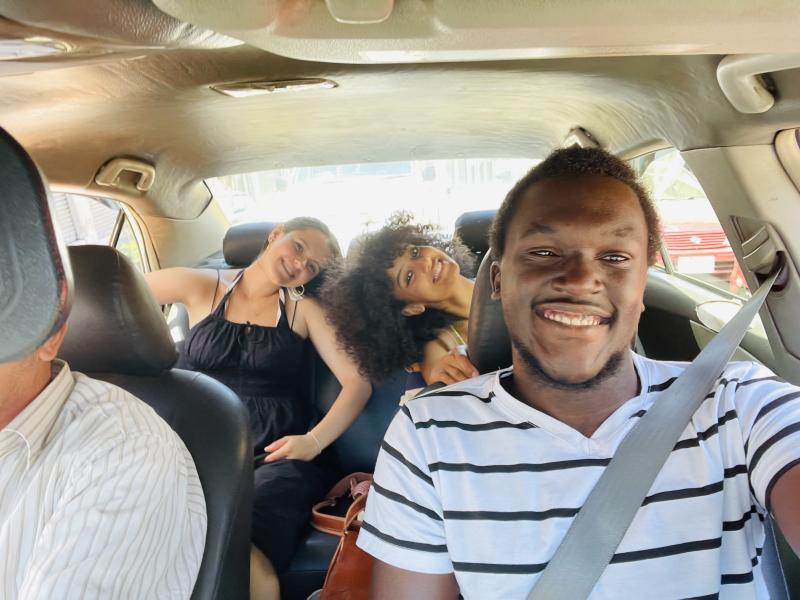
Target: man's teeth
(573, 320)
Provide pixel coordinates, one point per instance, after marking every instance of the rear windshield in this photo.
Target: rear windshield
(356, 198)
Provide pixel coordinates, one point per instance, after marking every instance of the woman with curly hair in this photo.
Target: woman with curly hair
(403, 302)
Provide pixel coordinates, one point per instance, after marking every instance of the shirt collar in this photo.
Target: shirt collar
(34, 424)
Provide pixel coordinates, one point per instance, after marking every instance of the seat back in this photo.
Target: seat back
(118, 334)
(35, 281)
(357, 448)
(488, 343)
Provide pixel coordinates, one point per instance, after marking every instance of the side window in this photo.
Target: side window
(694, 243)
(127, 244)
(88, 220)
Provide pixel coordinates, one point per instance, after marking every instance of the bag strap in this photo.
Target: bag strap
(322, 521)
(345, 484)
(602, 521)
(352, 520)
(357, 486)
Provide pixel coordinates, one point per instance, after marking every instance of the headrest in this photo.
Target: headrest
(489, 346)
(35, 278)
(116, 325)
(473, 229)
(243, 242)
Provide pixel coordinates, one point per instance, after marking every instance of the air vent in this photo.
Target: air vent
(245, 89)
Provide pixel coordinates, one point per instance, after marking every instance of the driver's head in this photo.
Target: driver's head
(572, 243)
(35, 285)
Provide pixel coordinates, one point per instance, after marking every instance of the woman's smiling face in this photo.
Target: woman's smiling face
(294, 258)
(423, 275)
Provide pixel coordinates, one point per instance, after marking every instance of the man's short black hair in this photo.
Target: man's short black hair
(576, 162)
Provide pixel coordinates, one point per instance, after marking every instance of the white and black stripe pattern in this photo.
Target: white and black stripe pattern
(99, 498)
(472, 481)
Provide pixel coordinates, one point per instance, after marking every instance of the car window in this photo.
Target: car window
(88, 220)
(694, 243)
(356, 198)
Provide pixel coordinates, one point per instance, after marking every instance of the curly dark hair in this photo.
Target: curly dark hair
(575, 162)
(362, 308)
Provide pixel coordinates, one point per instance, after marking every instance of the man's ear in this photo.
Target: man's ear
(49, 350)
(494, 277)
(276, 232)
(412, 310)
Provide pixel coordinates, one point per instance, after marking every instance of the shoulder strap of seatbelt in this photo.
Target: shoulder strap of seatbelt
(600, 525)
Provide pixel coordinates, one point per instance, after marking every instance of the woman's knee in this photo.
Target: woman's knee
(264, 584)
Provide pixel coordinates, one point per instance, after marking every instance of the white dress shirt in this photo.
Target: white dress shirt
(99, 498)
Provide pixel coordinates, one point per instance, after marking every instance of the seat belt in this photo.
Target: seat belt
(602, 521)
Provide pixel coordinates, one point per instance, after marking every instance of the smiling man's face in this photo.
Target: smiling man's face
(572, 278)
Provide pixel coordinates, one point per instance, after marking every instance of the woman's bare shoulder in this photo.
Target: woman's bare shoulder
(303, 314)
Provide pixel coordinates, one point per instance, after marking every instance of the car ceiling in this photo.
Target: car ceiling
(121, 92)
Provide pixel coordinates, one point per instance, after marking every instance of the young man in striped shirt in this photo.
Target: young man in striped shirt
(99, 498)
(476, 485)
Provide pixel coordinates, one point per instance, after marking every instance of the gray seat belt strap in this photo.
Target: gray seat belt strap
(593, 538)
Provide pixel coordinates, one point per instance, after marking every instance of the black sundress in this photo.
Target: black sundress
(263, 366)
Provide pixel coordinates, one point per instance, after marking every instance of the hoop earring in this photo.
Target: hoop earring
(296, 293)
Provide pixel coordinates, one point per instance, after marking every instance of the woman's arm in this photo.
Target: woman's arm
(443, 359)
(351, 400)
(187, 286)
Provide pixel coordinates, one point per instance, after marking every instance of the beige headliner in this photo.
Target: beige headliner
(155, 104)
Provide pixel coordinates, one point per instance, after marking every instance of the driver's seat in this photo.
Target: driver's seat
(118, 334)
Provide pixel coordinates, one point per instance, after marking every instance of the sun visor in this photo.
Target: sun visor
(419, 31)
(35, 279)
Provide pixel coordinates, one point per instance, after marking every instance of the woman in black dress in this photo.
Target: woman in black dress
(248, 330)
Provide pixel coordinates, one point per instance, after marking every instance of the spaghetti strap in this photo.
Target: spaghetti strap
(294, 312)
(220, 310)
(457, 336)
(283, 311)
(214, 299)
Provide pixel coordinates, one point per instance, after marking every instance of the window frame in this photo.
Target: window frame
(668, 266)
(125, 216)
(128, 218)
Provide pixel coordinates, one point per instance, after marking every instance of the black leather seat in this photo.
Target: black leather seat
(118, 334)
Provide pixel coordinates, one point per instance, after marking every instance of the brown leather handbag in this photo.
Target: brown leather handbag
(350, 571)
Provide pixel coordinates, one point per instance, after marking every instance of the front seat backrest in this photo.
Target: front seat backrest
(488, 343)
(35, 281)
(118, 334)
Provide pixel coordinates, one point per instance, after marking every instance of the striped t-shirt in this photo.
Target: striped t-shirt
(472, 481)
(99, 498)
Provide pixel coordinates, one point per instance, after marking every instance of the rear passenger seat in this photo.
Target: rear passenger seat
(355, 450)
